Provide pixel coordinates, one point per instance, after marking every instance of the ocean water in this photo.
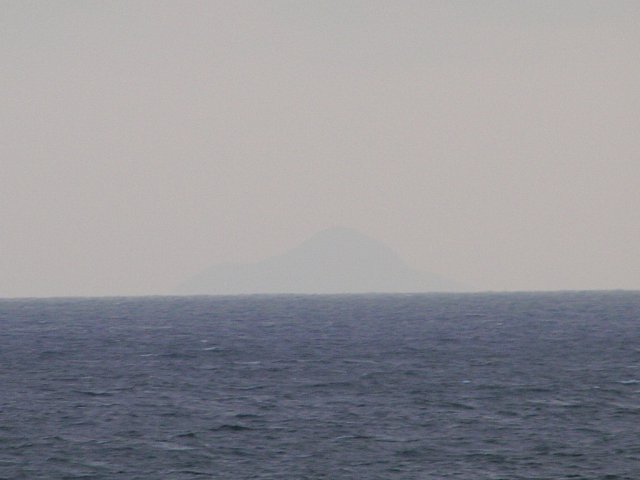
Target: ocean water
(475, 386)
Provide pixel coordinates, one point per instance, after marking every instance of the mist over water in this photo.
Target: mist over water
(493, 142)
(458, 386)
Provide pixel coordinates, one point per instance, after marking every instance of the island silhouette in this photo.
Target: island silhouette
(336, 260)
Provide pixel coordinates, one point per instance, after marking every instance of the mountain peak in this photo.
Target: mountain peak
(340, 233)
(345, 244)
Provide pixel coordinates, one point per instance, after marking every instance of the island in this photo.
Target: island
(336, 260)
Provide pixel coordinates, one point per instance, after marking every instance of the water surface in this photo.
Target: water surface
(483, 386)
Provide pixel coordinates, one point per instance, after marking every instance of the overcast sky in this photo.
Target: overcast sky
(494, 142)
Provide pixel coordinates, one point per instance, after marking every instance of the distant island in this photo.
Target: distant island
(336, 260)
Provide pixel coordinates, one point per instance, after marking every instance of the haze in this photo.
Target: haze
(494, 142)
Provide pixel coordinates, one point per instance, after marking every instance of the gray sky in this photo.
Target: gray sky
(495, 142)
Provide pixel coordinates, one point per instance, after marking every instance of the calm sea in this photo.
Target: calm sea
(475, 386)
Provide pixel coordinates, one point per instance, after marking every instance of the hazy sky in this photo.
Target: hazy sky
(495, 142)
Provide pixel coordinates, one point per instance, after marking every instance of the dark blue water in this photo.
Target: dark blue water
(510, 386)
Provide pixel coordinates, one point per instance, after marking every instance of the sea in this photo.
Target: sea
(416, 386)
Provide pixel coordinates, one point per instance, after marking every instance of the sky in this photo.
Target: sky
(493, 142)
